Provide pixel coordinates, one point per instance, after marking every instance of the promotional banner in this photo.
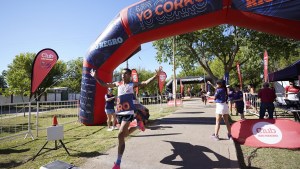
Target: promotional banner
(280, 133)
(288, 9)
(149, 15)
(42, 64)
(266, 78)
(239, 74)
(161, 80)
(135, 78)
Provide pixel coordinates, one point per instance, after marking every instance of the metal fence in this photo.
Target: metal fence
(27, 118)
(32, 119)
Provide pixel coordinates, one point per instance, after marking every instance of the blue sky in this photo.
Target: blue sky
(67, 26)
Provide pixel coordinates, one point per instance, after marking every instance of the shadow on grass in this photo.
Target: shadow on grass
(10, 164)
(86, 154)
(241, 157)
(10, 151)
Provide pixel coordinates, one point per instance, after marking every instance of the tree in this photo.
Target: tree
(3, 83)
(216, 50)
(201, 47)
(19, 75)
(72, 78)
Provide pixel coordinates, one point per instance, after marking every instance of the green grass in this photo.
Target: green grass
(266, 158)
(81, 141)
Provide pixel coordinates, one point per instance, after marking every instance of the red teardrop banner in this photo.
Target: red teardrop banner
(42, 64)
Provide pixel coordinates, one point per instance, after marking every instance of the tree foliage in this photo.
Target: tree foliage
(72, 77)
(3, 83)
(217, 50)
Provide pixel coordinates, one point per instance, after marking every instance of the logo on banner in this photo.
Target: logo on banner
(267, 133)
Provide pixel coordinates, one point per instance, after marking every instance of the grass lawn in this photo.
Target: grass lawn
(81, 141)
(251, 157)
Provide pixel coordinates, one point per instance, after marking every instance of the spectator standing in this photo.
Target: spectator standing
(222, 110)
(239, 102)
(110, 110)
(231, 93)
(267, 97)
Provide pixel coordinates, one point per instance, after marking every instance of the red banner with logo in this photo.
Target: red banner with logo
(42, 64)
(239, 74)
(280, 133)
(161, 80)
(135, 78)
(266, 78)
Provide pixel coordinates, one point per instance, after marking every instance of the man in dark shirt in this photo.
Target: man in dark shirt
(267, 97)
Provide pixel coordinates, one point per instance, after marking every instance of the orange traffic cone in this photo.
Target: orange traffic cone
(54, 121)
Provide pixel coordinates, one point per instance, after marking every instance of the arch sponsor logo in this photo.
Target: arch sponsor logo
(267, 133)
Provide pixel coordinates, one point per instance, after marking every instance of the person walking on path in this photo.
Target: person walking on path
(222, 110)
(125, 106)
(110, 110)
(267, 97)
(239, 102)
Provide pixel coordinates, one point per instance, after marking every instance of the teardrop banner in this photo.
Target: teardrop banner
(279, 133)
(42, 64)
(161, 79)
(135, 78)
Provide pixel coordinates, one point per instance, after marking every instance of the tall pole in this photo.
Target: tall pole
(174, 73)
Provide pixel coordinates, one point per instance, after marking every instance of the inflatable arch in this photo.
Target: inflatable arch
(150, 20)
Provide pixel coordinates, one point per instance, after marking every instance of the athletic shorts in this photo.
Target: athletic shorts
(222, 108)
(128, 118)
(109, 111)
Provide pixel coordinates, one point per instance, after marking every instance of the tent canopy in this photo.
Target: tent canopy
(289, 73)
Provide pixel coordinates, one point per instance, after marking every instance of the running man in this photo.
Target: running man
(125, 106)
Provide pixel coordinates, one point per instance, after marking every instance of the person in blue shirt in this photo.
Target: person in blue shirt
(110, 109)
(239, 102)
(222, 110)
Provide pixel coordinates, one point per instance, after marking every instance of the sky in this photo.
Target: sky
(67, 26)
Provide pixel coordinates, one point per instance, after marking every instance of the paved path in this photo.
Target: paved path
(180, 140)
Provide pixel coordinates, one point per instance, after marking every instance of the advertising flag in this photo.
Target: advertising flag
(135, 78)
(42, 64)
(239, 74)
(161, 80)
(266, 78)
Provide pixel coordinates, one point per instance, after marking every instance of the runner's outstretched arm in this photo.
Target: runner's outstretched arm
(94, 74)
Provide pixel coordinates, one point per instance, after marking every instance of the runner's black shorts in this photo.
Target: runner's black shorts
(128, 118)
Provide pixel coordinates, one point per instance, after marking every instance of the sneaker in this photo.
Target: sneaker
(141, 125)
(215, 137)
(229, 136)
(110, 129)
(115, 127)
(116, 166)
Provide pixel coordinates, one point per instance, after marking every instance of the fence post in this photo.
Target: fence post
(37, 118)
(29, 122)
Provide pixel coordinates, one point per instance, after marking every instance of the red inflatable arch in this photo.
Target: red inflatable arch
(150, 20)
